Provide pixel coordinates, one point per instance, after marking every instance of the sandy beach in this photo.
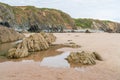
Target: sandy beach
(106, 44)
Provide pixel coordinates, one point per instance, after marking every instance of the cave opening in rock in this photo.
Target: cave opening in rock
(34, 28)
(5, 24)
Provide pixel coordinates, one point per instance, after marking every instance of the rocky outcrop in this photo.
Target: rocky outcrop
(34, 19)
(104, 25)
(48, 37)
(83, 58)
(35, 42)
(7, 17)
(9, 35)
(51, 20)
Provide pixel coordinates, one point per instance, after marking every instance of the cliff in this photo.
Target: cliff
(34, 19)
(104, 25)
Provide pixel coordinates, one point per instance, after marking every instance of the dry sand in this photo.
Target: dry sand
(106, 44)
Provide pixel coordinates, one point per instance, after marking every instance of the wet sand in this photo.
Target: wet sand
(106, 44)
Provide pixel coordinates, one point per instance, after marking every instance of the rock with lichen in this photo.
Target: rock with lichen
(18, 52)
(84, 58)
(35, 42)
(49, 37)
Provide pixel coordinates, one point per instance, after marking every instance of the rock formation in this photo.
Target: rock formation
(35, 42)
(87, 31)
(34, 19)
(48, 37)
(37, 19)
(103, 25)
(9, 35)
(83, 58)
(7, 17)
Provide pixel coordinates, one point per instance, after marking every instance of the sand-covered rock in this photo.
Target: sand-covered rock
(35, 42)
(73, 45)
(9, 35)
(84, 58)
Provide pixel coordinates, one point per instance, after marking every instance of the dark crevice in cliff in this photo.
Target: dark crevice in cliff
(5, 24)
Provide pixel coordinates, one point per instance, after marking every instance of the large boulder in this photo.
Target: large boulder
(83, 58)
(9, 35)
(35, 42)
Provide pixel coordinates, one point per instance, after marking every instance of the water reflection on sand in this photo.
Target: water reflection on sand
(52, 57)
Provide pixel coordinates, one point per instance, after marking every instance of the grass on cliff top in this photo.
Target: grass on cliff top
(4, 4)
(83, 23)
(32, 14)
(87, 23)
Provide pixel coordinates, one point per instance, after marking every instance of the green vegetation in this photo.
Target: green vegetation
(5, 5)
(106, 21)
(87, 23)
(83, 23)
(27, 16)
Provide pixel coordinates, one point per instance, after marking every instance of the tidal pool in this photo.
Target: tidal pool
(4, 47)
(50, 58)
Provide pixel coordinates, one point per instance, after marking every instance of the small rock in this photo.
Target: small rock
(87, 31)
(84, 58)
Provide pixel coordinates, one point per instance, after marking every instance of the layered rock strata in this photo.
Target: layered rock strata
(36, 42)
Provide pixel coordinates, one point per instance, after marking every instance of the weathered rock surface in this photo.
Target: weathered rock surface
(37, 19)
(7, 17)
(35, 42)
(83, 58)
(9, 35)
(48, 37)
(34, 19)
(103, 25)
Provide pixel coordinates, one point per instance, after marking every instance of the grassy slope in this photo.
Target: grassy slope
(83, 23)
(24, 16)
(30, 15)
(87, 23)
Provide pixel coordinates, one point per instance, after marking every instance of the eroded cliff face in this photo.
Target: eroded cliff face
(7, 17)
(34, 19)
(107, 26)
